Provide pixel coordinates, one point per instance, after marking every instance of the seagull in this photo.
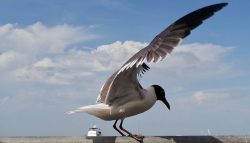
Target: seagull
(122, 95)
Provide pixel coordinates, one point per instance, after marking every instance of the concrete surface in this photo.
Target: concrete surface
(113, 139)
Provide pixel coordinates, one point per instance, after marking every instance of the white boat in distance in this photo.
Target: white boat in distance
(94, 132)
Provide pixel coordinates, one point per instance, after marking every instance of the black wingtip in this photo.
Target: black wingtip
(196, 18)
(223, 4)
(204, 12)
(219, 5)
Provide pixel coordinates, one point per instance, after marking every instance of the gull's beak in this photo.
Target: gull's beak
(166, 103)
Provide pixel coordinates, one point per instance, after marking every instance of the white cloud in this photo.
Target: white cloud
(210, 97)
(77, 64)
(203, 52)
(196, 59)
(45, 63)
(115, 54)
(206, 99)
(199, 97)
(10, 59)
(47, 55)
(38, 37)
(25, 52)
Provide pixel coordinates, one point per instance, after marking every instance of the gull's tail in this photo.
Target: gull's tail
(99, 110)
(85, 109)
(73, 111)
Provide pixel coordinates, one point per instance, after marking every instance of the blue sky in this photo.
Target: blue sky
(55, 55)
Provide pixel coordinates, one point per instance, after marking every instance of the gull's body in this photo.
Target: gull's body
(122, 95)
(117, 111)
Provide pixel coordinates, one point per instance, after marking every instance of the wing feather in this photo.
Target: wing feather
(172, 35)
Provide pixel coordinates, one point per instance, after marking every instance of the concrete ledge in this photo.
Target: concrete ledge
(114, 139)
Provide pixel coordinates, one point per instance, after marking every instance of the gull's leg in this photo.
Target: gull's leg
(114, 126)
(136, 137)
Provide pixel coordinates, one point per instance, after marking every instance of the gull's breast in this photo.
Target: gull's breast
(134, 107)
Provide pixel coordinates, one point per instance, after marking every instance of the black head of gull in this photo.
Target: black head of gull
(160, 95)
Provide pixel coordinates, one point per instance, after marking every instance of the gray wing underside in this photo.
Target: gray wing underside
(158, 49)
(120, 86)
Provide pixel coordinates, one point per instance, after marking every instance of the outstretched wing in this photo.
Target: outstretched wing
(158, 49)
(169, 38)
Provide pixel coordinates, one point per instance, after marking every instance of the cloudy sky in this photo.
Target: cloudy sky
(55, 55)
